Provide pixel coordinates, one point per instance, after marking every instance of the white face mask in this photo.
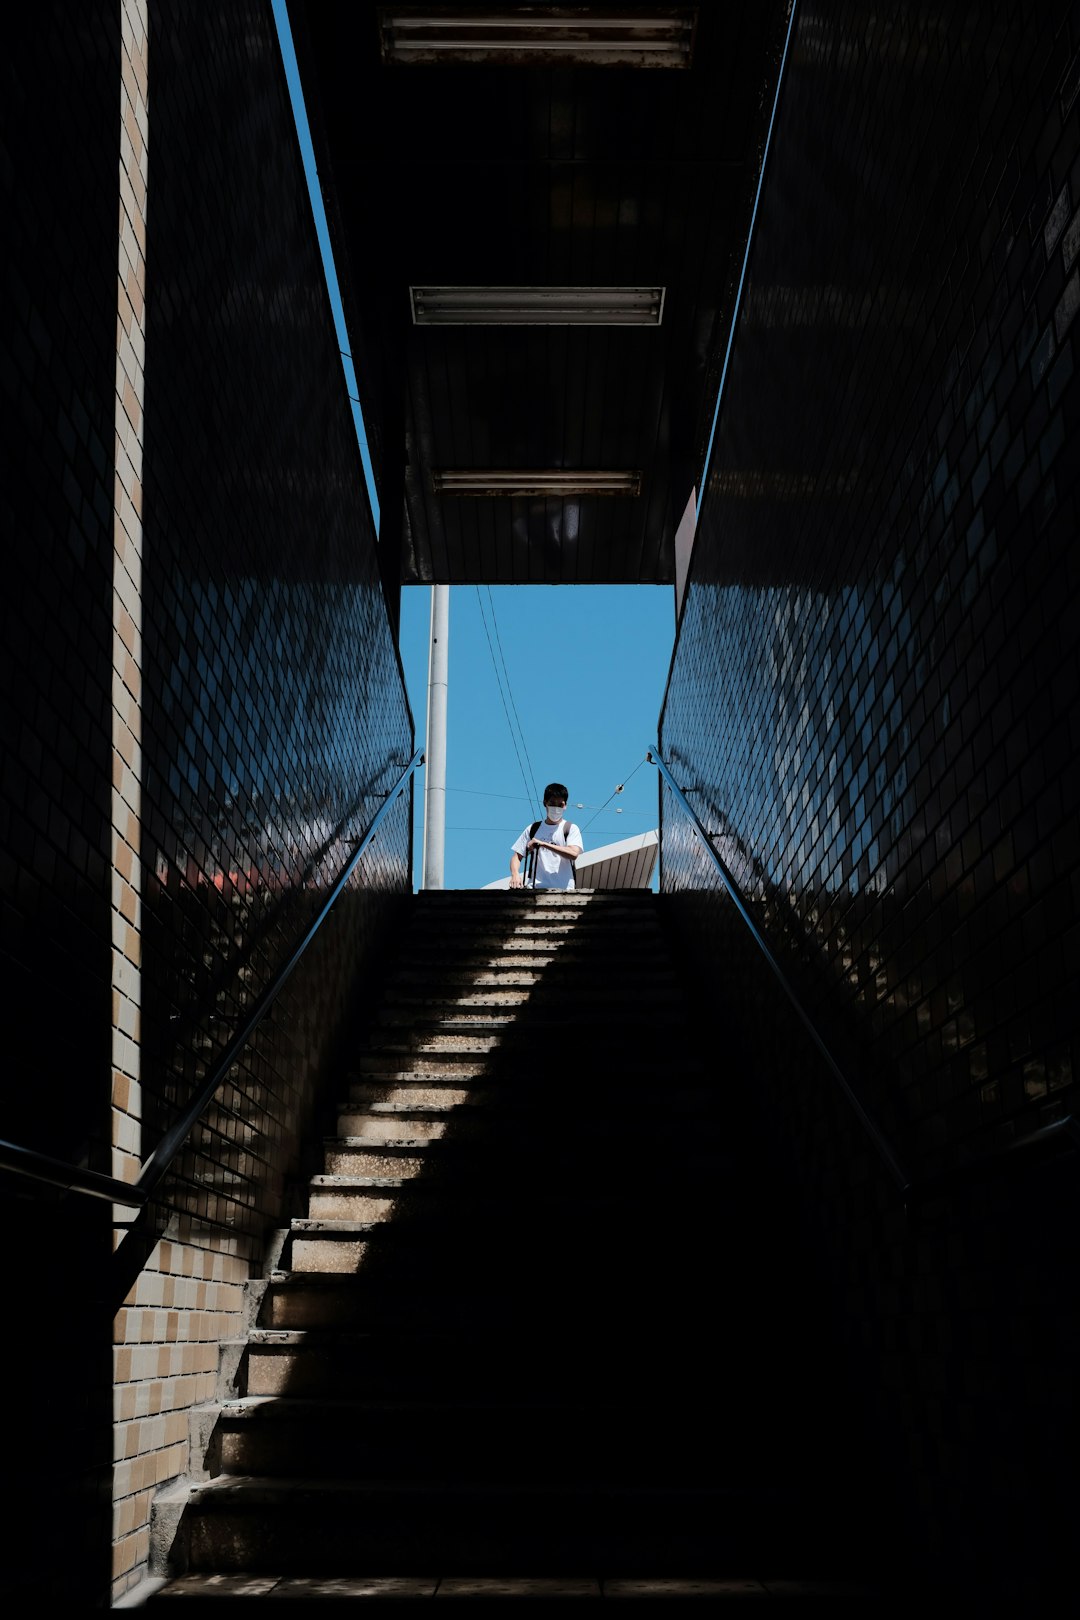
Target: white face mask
(554, 811)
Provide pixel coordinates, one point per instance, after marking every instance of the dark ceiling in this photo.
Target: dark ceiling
(485, 175)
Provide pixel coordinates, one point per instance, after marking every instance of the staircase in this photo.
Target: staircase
(547, 1313)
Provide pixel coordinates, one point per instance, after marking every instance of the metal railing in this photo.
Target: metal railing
(876, 1135)
(135, 1195)
(1020, 1149)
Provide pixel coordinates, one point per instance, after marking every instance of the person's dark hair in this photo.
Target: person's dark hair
(554, 792)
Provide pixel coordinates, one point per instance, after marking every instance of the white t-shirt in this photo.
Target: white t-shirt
(552, 871)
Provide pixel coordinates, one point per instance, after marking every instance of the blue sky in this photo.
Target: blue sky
(586, 666)
(570, 676)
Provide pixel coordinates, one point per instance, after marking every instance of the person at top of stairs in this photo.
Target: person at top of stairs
(549, 862)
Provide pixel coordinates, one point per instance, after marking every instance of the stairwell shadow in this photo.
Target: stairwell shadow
(581, 1338)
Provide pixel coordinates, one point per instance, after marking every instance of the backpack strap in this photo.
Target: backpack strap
(532, 854)
(534, 829)
(530, 859)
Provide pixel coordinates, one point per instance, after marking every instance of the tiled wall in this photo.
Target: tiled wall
(875, 685)
(273, 713)
(127, 655)
(203, 708)
(873, 698)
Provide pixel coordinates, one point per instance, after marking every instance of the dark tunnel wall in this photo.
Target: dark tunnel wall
(60, 147)
(203, 707)
(876, 677)
(275, 717)
(55, 656)
(874, 691)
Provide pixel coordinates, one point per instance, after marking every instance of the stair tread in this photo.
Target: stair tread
(480, 1370)
(375, 1182)
(307, 1337)
(506, 1104)
(265, 1487)
(540, 1197)
(286, 1406)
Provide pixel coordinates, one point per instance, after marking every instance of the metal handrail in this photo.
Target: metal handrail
(34, 1166)
(877, 1137)
(73, 1178)
(1066, 1129)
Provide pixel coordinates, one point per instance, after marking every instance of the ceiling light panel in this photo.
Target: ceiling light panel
(510, 482)
(656, 37)
(537, 306)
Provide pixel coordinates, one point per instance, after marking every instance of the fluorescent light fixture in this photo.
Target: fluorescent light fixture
(537, 306)
(657, 36)
(559, 482)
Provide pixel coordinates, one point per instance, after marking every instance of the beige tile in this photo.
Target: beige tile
(123, 1556)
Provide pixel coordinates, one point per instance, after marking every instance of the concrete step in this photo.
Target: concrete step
(523, 1356)
(552, 969)
(396, 1125)
(588, 1065)
(520, 1437)
(613, 934)
(330, 1361)
(604, 950)
(605, 947)
(525, 1020)
(374, 1199)
(379, 1065)
(335, 1300)
(462, 964)
(470, 1228)
(293, 1526)
(665, 1121)
(662, 1147)
(390, 1590)
(340, 1247)
(614, 1070)
(401, 1159)
(531, 902)
(525, 1023)
(526, 1320)
(501, 1101)
(504, 1006)
(529, 965)
(582, 1044)
(462, 1298)
(429, 1363)
(617, 934)
(364, 1198)
(503, 898)
(430, 1092)
(624, 1119)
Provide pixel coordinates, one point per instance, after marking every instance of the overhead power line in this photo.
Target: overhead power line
(612, 794)
(507, 698)
(480, 793)
(623, 832)
(506, 672)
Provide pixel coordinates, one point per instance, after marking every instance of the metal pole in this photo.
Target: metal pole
(435, 753)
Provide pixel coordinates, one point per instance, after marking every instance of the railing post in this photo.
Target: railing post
(435, 781)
